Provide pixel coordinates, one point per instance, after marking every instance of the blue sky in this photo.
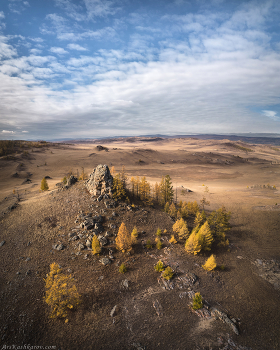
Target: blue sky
(96, 68)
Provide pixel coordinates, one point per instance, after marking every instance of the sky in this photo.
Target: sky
(101, 68)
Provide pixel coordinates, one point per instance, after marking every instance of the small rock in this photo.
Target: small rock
(28, 272)
(102, 240)
(27, 259)
(2, 243)
(105, 261)
(124, 283)
(71, 234)
(88, 243)
(81, 246)
(112, 313)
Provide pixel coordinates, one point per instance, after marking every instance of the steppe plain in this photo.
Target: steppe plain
(235, 174)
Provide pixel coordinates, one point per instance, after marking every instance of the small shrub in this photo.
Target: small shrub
(159, 266)
(122, 268)
(134, 235)
(44, 185)
(167, 273)
(149, 244)
(210, 263)
(159, 244)
(222, 267)
(158, 233)
(197, 302)
(172, 240)
(95, 245)
(64, 180)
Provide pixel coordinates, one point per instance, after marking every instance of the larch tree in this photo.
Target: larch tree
(44, 184)
(118, 188)
(61, 292)
(123, 239)
(166, 190)
(193, 245)
(210, 263)
(95, 245)
(134, 235)
(205, 236)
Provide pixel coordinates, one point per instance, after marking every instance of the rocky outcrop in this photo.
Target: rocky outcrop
(100, 181)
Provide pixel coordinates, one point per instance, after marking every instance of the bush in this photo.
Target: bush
(159, 244)
(159, 266)
(64, 180)
(122, 268)
(134, 235)
(172, 240)
(197, 302)
(167, 273)
(95, 245)
(158, 233)
(44, 185)
(149, 244)
(61, 292)
(210, 263)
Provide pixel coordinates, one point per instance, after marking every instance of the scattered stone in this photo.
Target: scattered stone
(113, 311)
(71, 234)
(158, 307)
(71, 181)
(86, 256)
(81, 246)
(105, 261)
(99, 199)
(269, 270)
(2, 243)
(102, 240)
(27, 259)
(88, 243)
(224, 318)
(58, 246)
(28, 272)
(124, 283)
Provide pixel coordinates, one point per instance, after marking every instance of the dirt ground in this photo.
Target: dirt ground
(236, 175)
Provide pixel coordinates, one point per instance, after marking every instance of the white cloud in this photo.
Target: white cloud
(58, 50)
(270, 114)
(76, 47)
(6, 50)
(100, 8)
(7, 132)
(35, 51)
(2, 16)
(24, 131)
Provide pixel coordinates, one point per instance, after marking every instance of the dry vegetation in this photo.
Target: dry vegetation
(197, 209)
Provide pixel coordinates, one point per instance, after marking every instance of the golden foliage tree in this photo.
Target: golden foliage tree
(197, 301)
(44, 184)
(210, 263)
(205, 236)
(172, 210)
(61, 292)
(166, 190)
(134, 235)
(95, 245)
(181, 228)
(193, 245)
(118, 188)
(158, 243)
(200, 218)
(145, 191)
(156, 191)
(123, 239)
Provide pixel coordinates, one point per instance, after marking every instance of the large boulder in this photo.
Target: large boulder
(100, 181)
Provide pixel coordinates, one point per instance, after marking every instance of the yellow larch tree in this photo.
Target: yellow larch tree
(210, 263)
(193, 245)
(134, 235)
(95, 245)
(205, 236)
(123, 239)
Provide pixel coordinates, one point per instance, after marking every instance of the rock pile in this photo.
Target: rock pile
(100, 181)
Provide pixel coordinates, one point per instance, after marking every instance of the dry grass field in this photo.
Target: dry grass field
(245, 178)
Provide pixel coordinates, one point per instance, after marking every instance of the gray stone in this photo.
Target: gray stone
(113, 311)
(125, 284)
(81, 246)
(27, 259)
(71, 180)
(105, 261)
(100, 181)
(88, 243)
(71, 234)
(103, 240)
(58, 246)
(99, 199)
(2, 243)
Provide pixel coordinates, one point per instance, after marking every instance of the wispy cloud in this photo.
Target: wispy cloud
(76, 47)
(271, 114)
(100, 8)
(58, 50)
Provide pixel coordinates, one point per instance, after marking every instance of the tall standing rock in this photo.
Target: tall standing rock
(100, 181)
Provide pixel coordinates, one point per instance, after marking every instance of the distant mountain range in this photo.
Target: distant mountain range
(260, 138)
